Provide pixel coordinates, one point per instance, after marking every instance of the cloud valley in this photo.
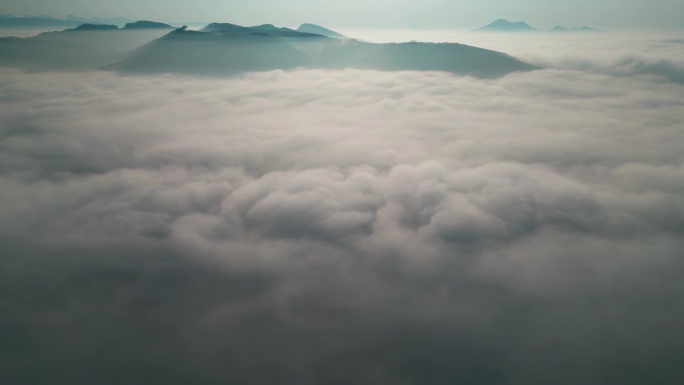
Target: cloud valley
(349, 226)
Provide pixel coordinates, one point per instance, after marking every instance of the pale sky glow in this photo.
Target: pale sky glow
(615, 14)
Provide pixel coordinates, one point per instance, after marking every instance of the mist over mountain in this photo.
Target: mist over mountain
(505, 26)
(225, 28)
(347, 226)
(37, 22)
(95, 27)
(560, 28)
(10, 21)
(248, 205)
(228, 48)
(318, 30)
(85, 47)
(214, 53)
(119, 21)
(283, 31)
(145, 24)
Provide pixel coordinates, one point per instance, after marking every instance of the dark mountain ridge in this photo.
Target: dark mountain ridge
(95, 27)
(222, 48)
(227, 49)
(560, 28)
(505, 26)
(146, 24)
(37, 22)
(86, 47)
(318, 30)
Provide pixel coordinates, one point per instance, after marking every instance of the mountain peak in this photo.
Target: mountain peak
(95, 27)
(272, 28)
(265, 26)
(318, 30)
(560, 28)
(146, 24)
(223, 28)
(503, 25)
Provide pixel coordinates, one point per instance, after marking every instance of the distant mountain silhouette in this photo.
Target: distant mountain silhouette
(119, 21)
(222, 48)
(95, 27)
(37, 22)
(228, 49)
(560, 28)
(146, 24)
(225, 28)
(282, 31)
(71, 21)
(416, 56)
(503, 25)
(73, 50)
(318, 30)
(270, 27)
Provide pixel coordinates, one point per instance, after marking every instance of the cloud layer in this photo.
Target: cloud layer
(343, 227)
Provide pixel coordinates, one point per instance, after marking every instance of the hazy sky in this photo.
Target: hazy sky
(660, 14)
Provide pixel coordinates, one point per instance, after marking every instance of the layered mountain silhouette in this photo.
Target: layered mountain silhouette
(95, 27)
(86, 47)
(219, 49)
(282, 31)
(146, 24)
(505, 26)
(560, 28)
(118, 21)
(222, 48)
(228, 49)
(10, 21)
(318, 30)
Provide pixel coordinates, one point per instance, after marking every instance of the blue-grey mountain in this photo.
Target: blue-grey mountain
(95, 27)
(503, 25)
(146, 24)
(228, 49)
(85, 47)
(222, 48)
(560, 28)
(318, 30)
(37, 22)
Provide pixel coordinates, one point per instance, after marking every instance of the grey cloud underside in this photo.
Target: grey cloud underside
(341, 227)
(227, 49)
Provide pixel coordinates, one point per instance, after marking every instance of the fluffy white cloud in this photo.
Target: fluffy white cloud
(345, 227)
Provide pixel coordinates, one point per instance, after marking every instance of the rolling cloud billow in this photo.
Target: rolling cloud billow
(343, 227)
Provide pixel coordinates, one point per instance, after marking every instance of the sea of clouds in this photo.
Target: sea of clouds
(348, 227)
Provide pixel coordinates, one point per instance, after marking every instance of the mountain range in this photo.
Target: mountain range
(41, 21)
(318, 30)
(505, 26)
(560, 28)
(228, 49)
